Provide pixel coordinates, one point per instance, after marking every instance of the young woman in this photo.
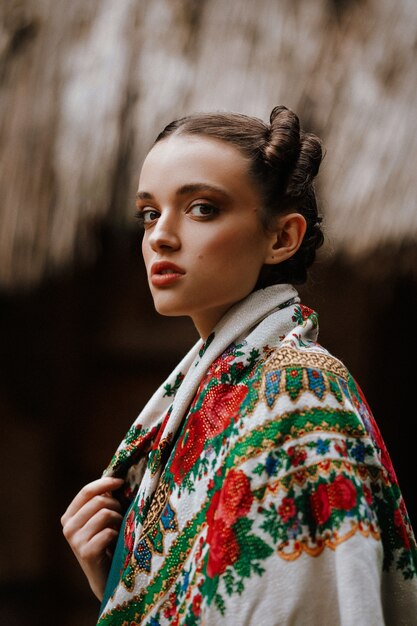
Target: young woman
(254, 487)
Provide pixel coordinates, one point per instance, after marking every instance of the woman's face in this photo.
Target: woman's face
(203, 244)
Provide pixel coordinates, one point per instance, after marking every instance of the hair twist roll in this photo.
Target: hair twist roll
(293, 158)
(282, 146)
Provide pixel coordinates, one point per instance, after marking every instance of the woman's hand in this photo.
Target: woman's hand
(91, 525)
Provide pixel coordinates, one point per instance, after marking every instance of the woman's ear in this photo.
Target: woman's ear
(287, 235)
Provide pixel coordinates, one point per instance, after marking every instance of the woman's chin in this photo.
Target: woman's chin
(168, 310)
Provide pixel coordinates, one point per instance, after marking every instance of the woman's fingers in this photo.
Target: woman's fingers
(88, 510)
(95, 488)
(96, 548)
(77, 534)
(91, 526)
(95, 558)
(100, 521)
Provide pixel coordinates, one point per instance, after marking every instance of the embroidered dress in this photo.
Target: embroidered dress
(258, 488)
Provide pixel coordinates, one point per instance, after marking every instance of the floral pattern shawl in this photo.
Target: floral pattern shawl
(258, 488)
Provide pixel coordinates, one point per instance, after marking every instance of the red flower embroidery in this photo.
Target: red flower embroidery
(221, 404)
(398, 520)
(305, 311)
(170, 609)
(299, 476)
(368, 494)
(297, 455)
(129, 536)
(231, 502)
(199, 550)
(235, 497)
(301, 311)
(287, 509)
(197, 604)
(320, 504)
(220, 366)
(343, 493)
(341, 448)
(189, 449)
(340, 494)
(219, 407)
(224, 549)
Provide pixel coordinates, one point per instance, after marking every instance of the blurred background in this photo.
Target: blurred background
(85, 86)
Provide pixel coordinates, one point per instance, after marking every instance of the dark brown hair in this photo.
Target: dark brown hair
(284, 161)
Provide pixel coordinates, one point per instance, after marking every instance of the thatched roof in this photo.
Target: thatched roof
(85, 86)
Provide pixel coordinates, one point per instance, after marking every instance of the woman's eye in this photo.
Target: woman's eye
(147, 216)
(203, 210)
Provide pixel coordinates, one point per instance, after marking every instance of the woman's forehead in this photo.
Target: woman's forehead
(188, 159)
(189, 146)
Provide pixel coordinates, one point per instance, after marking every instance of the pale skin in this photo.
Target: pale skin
(200, 210)
(91, 525)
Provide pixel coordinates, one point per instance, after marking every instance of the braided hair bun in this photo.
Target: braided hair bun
(293, 158)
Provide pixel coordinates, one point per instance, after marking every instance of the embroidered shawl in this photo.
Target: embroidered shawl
(258, 488)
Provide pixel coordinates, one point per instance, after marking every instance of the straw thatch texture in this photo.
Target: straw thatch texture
(85, 86)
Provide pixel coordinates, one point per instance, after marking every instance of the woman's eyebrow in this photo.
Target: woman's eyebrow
(186, 189)
(193, 187)
(144, 195)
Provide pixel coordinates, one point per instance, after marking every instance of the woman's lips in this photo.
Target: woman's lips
(165, 273)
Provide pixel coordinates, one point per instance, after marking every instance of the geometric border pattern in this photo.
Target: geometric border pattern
(289, 357)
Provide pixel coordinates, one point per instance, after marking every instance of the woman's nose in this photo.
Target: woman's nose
(165, 234)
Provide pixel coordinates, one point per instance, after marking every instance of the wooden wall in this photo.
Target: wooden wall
(86, 86)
